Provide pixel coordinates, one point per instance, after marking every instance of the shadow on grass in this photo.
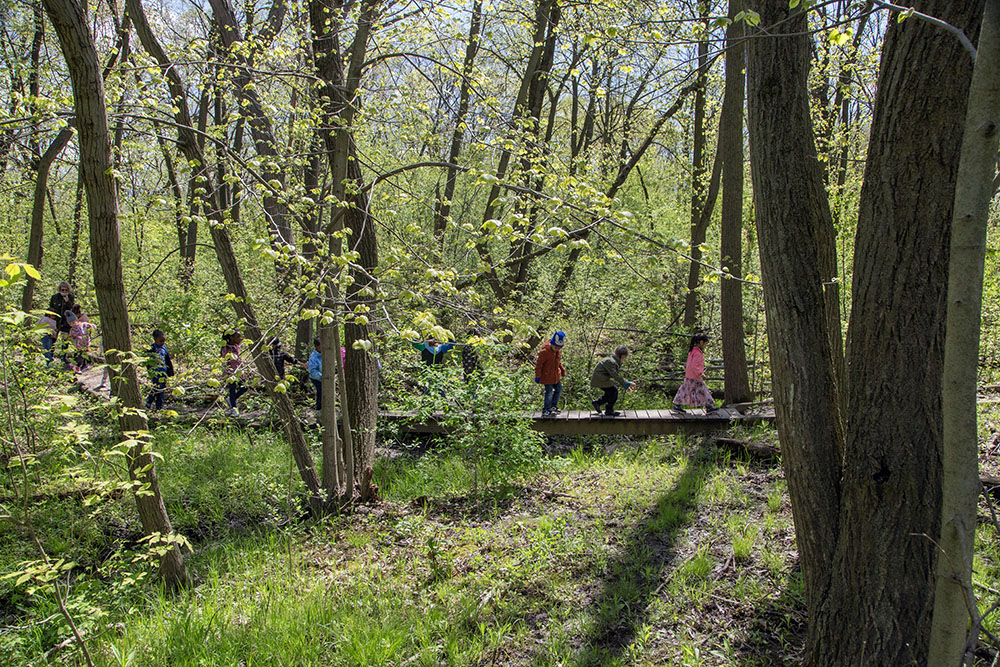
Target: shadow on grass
(489, 504)
(774, 632)
(633, 580)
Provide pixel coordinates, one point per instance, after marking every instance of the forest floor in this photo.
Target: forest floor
(661, 551)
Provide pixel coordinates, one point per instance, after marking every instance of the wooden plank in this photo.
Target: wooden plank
(579, 422)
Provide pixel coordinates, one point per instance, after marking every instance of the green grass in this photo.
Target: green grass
(615, 553)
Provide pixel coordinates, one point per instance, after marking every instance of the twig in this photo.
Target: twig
(910, 11)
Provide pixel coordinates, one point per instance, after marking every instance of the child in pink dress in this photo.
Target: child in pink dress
(79, 333)
(693, 390)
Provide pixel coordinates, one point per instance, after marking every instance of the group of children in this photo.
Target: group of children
(67, 320)
(607, 376)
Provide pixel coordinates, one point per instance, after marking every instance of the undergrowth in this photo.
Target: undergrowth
(609, 552)
(614, 552)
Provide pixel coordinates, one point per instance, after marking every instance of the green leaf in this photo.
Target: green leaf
(31, 271)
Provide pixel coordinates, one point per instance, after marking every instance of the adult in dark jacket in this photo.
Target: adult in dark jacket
(61, 302)
(161, 366)
(607, 376)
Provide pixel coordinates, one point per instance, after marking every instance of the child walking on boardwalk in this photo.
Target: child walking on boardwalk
(607, 376)
(316, 372)
(160, 368)
(549, 371)
(694, 391)
(231, 355)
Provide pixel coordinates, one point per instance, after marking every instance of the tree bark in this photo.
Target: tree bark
(795, 232)
(865, 518)
(891, 498)
(333, 474)
(36, 236)
(734, 356)
(960, 456)
(70, 22)
(698, 227)
(341, 77)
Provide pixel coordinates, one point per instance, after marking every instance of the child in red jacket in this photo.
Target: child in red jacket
(550, 372)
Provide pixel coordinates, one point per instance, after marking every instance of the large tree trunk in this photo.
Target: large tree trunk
(867, 550)
(892, 463)
(70, 22)
(36, 236)
(960, 453)
(796, 245)
(734, 355)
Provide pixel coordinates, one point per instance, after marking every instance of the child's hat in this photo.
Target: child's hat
(69, 316)
(558, 339)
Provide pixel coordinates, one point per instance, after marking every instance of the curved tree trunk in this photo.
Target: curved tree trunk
(35, 239)
(191, 148)
(77, 44)
(252, 110)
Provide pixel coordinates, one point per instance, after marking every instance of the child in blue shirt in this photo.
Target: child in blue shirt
(316, 372)
(160, 368)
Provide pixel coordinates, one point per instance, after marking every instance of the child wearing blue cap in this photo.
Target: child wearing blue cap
(549, 371)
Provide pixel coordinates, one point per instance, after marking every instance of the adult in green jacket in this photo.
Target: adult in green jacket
(607, 376)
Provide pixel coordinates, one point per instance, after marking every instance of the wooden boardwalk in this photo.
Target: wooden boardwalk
(632, 422)
(570, 422)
